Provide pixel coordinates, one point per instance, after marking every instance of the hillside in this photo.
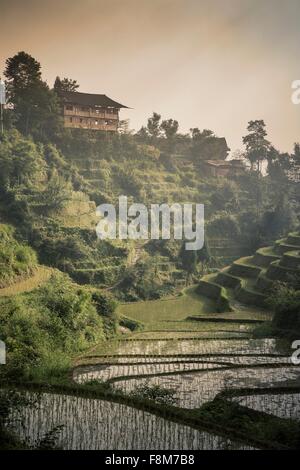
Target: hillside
(251, 280)
(51, 185)
(129, 326)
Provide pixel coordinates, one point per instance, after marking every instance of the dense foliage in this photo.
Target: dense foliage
(53, 178)
(42, 329)
(16, 259)
(285, 301)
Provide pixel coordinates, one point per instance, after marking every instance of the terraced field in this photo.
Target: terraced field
(248, 279)
(89, 424)
(200, 344)
(283, 405)
(200, 347)
(156, 313)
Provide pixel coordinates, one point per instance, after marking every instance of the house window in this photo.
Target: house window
(97, 111)
(69, 108)
(71, 119)
(80, 120)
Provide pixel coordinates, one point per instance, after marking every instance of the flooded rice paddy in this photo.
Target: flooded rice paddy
(283, 405)
(196, 364)
(167, 365)
(195, 389)
(97, 424)
(196, 370)
(191, 346)
(198, 334)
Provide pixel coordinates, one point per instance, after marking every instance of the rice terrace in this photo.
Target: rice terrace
(149, 266)
(198, 362)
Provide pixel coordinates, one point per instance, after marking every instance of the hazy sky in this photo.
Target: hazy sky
(207, 63)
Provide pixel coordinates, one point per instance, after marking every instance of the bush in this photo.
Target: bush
(15, 259)
(223, 224)
(43, 328)
(285, 301)
(155, 393)
(105, 303)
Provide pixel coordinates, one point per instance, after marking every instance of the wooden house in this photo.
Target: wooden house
(90, 111)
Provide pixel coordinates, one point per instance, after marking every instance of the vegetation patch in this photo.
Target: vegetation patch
(17, 261)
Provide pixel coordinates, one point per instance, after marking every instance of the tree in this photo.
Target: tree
(278, 166)
(20, 160)
(57, 193)
(105, 304)
(188, 261)
(223, 224)
(204, 255)
(36, 107)
(206, 146)
(153, 125)
(200, 135)
(296, 154)
(21, 71)
(142, 135)
(277, 222)
(226, 196)
(170, 128)
(284, 299)
(124, 127)
(295, 162)
(256, 145)
(66, 84)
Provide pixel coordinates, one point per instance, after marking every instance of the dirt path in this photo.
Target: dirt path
(41, 275)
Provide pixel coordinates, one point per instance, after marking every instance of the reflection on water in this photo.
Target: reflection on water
(157, 365)
(209, 334)
(99, 424)
(283, 405)
(195, 382)
(194, 389)
(85, 374)
(161, 347)
(96, 424)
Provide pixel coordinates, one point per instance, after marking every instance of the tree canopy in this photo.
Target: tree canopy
(36, 107)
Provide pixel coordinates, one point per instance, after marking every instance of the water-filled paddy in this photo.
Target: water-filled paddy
(191, 376)
(90, 424)
(218, 334)
(195, 389)
(109, 372)
(189, 346)
(283, 405)
(163, 365)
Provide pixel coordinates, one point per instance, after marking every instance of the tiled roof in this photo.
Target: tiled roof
(89, 99)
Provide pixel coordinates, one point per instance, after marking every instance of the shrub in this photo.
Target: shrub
(43, 328)
(105, 303)
(156, 393)
(223, 224)
(285, 301)
(15, 259)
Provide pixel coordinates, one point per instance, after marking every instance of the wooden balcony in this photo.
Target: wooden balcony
(102, 114)
(89, 124)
